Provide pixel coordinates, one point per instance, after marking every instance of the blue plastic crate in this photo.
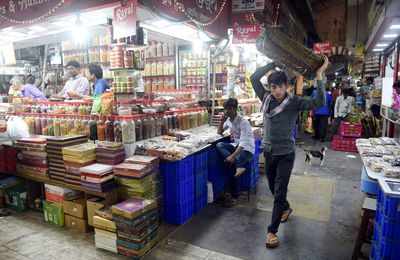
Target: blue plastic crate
(388, 228)
(389, 206)
(373, 255)
(178, 213)
(178, 180)
(368, 185)
(201, 178)
(386, 249)
(201, 161)
(200, 202)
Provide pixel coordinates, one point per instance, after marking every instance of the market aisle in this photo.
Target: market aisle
(326, 200)
(327, 203)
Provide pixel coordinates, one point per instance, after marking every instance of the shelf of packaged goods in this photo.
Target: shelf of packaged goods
(188, 68)
(160, 58)
(47, 180)
(123, 69)
(159, 76)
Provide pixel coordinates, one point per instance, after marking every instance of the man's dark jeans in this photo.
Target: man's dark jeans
(241, 160)
(278, 169)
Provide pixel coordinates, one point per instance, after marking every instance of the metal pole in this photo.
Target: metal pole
(213, 89)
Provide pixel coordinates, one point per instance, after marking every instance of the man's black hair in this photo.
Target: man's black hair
(278, 78)
(231, 103)
(96, 70)
(30, 79)
(73, 63)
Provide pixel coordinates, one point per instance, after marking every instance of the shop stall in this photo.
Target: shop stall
(126, 161)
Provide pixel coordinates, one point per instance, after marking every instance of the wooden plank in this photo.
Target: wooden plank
(62, 184)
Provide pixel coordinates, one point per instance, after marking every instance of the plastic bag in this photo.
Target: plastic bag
(96, 107)
(107, 100)
(17, 128)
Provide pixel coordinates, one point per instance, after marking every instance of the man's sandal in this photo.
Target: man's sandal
(272, 241)
(286, 214)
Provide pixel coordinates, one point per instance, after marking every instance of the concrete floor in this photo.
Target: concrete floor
(326, 201)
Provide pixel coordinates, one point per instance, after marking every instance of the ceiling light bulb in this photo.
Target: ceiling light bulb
(395, 26)
(377, 50)
(382, 45)
(393, 35)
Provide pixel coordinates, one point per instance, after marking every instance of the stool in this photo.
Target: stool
(367, 212)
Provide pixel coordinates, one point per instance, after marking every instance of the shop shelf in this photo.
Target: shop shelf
(178, 213)
(350, 130)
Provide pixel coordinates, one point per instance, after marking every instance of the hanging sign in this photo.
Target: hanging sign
(124, 20)
(28, 11)
(245, 28)
(323, 48)
(247, 5)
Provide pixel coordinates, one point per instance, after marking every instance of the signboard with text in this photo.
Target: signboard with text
(124, 20)
(245, 28)
(25, 10)
(322, 48)
(247, 5)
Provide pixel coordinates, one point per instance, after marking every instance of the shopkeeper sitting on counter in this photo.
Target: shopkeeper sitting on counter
(240, 151)
(77, 86)
(96, 76)
(30, 90)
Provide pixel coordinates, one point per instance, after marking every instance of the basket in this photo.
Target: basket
(281, 48)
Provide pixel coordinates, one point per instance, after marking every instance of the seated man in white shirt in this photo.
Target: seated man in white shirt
(238, 153)
(77, 86)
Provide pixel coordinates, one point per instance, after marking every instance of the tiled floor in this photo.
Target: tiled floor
(326, 200)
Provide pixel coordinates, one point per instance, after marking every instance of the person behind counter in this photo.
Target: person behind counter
(96, 76)
(77, 86)
(280, 111)
(16, 87)
(238, 153)
(30, 90)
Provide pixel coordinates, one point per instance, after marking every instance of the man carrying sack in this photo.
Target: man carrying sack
(280, 114)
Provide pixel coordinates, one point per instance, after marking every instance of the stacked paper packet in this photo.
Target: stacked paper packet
(76, 157)
(32, 158)
(54, 152)
(105, 231)
(153, 163)
(135, 180)
(97, 177)
(110, 153)
(137, 223)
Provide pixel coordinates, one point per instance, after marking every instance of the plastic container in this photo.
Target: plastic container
(350, 130)
(344, 144)
(178, 213)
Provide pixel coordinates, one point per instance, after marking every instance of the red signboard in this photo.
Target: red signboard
(124, 22)
(322, 48)
(245, 28)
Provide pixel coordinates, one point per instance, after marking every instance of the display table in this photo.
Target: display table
(386, 238)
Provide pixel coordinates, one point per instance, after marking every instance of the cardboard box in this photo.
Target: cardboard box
(76, 224)
(92, 205)
(53, 213)
(76, 208)
(59, 194)
(105, 224)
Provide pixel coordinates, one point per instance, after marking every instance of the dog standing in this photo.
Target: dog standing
(312, 155)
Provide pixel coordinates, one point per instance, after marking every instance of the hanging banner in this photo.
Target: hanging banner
(14, 12)
(213, 15)
(247, 5)
(22, 11)
(124, 20)
(322, 48)
(245, 28)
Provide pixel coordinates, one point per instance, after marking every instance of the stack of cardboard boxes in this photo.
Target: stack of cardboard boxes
(110, 153)
(32, 158)
(75, 157)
